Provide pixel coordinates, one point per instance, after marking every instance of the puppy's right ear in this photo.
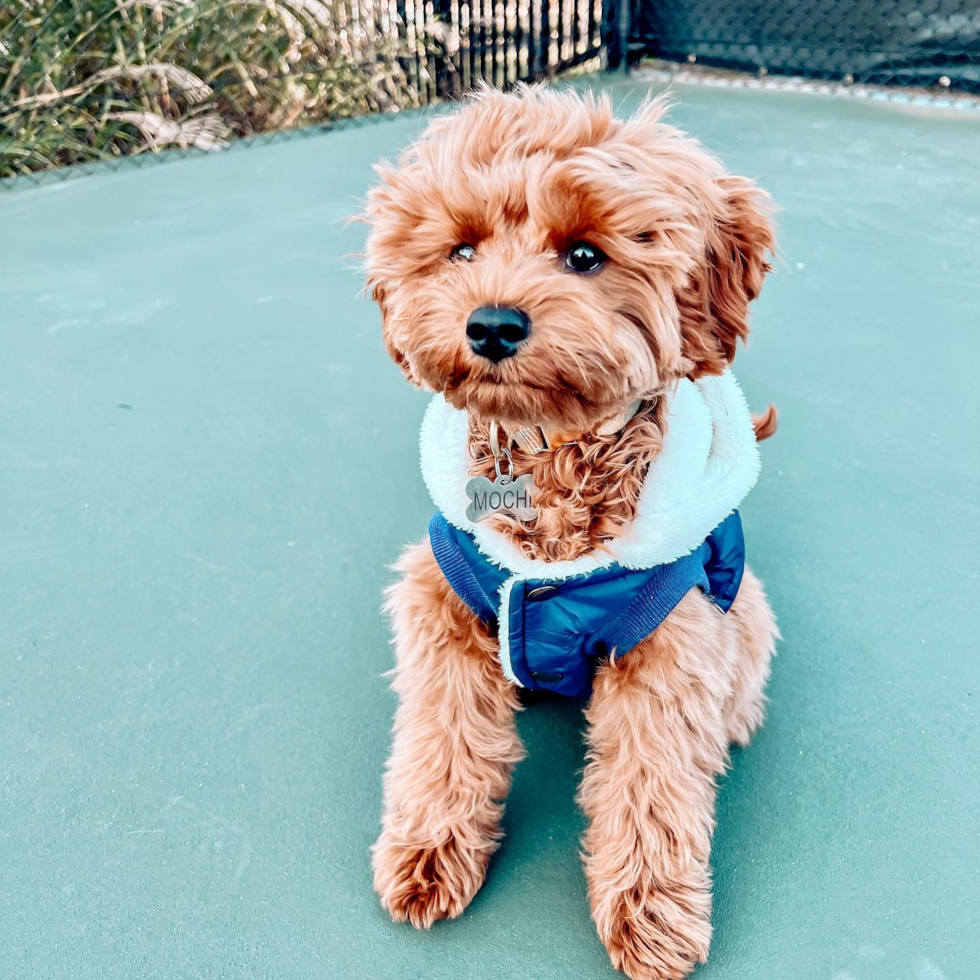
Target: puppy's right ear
(379, 294)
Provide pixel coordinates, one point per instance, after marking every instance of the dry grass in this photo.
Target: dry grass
(86, 80)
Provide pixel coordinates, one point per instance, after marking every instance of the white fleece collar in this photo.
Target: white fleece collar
(708, 463)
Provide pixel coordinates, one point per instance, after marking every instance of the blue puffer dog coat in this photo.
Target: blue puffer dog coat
(556, 620)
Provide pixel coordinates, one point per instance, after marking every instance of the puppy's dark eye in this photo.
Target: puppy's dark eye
(464, 252)
(583, 257)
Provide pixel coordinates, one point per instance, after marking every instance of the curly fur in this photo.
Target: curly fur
(521, 177)
(588, 490)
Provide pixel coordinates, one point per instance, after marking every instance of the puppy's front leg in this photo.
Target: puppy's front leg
(455, 744)
(656, 742)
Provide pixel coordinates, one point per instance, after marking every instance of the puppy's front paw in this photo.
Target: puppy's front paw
(421, 884)
(656, 933)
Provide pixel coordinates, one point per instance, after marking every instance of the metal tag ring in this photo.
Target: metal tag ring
(504, 476)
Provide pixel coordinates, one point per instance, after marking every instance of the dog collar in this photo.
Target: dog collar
(536, 438)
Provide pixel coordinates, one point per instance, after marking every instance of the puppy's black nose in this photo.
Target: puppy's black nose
(496, 332)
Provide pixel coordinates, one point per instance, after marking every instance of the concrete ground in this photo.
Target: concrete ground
(207, 463)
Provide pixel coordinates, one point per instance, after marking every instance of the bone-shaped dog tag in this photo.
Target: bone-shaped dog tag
(501, 496)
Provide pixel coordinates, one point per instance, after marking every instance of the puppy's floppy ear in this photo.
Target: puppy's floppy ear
(380, 296)
(714, 306)
(387, 221)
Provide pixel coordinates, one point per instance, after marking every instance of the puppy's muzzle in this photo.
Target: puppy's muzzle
(496, 332)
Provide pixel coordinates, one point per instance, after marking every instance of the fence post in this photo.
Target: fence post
(617, 17)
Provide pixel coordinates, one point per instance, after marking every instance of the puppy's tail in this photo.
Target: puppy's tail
(766, 423)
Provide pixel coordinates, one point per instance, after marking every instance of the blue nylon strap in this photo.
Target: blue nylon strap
(667, 586)
(457, 569)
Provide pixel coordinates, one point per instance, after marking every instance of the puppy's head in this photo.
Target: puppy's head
(539, 261)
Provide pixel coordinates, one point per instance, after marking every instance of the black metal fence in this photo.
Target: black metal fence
(85, 81)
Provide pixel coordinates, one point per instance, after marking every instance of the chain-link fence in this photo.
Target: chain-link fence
(85, 81)
(932, 45)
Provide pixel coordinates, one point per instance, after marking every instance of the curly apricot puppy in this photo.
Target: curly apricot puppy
(572, 286)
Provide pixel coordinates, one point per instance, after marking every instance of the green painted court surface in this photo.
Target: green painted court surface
(207, 463)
